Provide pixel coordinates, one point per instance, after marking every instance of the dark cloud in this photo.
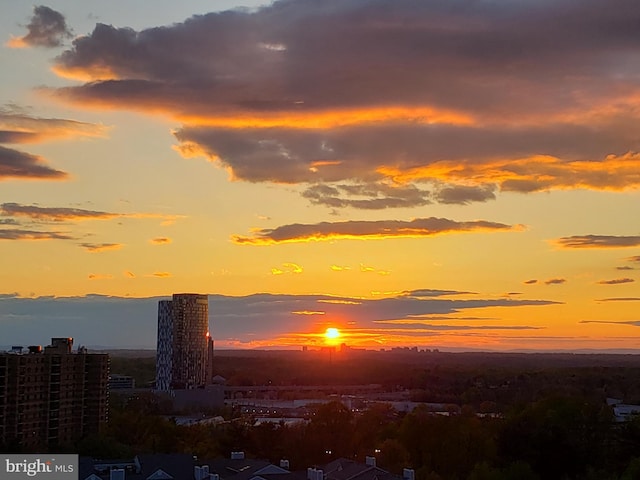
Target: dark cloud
(52, 214)
(18, 127)
(463, 195)
(555, 281)
(160, 241)
(619, 299)
(469, 97)
(17, 164)
(427, 292)
(374, 196)
(411, 151)
(18, 234)
(47, 28)
(625, 267)
(418, 227)
(616, 281)
(126, 322)
(634, 323)
(530, 282)
(64, 214)
(101, 247)
(635, 259)
(598, 241)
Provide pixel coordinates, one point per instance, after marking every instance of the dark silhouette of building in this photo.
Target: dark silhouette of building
(51, 398)
(184, 343)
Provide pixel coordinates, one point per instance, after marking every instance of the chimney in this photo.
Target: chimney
(214, 476)
(116, 474)
(408, 474)
(370, 461)
(315, 474)
(197, 472)
(284, 464)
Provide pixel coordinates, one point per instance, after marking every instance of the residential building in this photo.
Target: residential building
(51, 397)
(121, 382)
(185, 348)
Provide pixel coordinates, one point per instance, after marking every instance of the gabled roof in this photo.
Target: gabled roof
(344, 469)
(159, 475)
(166, 466)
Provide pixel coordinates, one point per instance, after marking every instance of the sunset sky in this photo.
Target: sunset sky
(454, 175)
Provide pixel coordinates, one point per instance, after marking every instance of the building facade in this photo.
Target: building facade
(51, 398)
(183, 359)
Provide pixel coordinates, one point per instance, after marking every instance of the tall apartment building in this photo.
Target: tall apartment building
(51, 398)
(184, 353)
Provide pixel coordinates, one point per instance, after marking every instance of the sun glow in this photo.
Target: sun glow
(332, 333)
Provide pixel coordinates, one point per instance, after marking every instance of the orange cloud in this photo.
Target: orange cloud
(308, 312)
(160, 241)
(129, 274)
(287, 268)
(539, 172)
(340, 268)
(100, 276)
(161, 274)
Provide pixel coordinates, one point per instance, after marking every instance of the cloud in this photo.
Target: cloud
(619, 299)
(616, 281)
(427, 292)
(634, 323)
(634, 259)
(340, 268)
(555, 281)
(129, 274)
(53, 214)
(100, 276)
(374, 196)
(101, 247)
(63, 214)
(124, 322)
(533, 281)
(625, 267)
(47, 28)
(298, 92)
(21, 128)
(287, 268)
(161, 274)
(17, 164)
(18, 234)
(598, 241)
(160, 241)
(463, 195)
(16, 127)
(419, 227)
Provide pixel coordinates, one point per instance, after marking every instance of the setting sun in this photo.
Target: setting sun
(332, 333)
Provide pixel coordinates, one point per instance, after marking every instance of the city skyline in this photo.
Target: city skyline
(462, 175)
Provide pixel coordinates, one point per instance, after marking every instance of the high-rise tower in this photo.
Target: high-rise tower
(182, 360)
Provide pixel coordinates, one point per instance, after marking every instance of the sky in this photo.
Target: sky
(456, 175)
